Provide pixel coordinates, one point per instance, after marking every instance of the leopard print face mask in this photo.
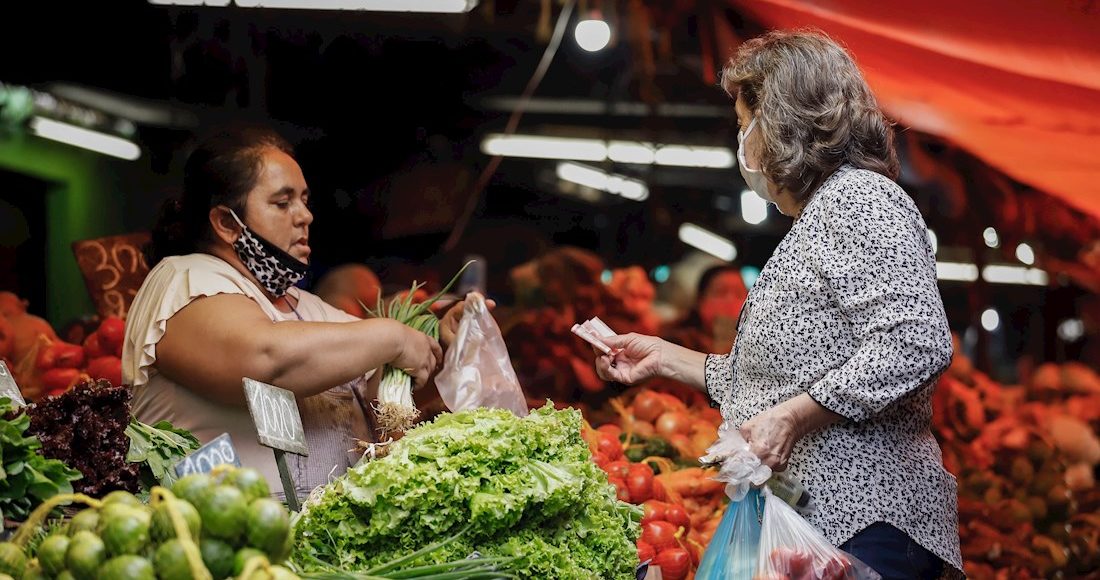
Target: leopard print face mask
(275, 269)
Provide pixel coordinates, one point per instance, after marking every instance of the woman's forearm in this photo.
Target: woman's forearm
(807, 415)
(310, 357)
(684, 365)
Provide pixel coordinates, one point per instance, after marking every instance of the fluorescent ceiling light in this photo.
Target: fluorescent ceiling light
(592, 35)
(956, 271)
(437, 6)
(708, 242)
(584, 149)
(996, 274)
(1025, 254)
(992, 238)
(991, 320)
(1015, 275)
(613, 183)
(85, 138)
(754, 209)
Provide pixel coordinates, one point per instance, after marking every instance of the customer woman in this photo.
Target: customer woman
(844, 334)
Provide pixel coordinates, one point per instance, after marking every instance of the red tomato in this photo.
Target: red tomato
(710, 415)
(611, 428)
(673, 422)
(659, 492)
(622, 492)
(643, 429)
(645, 552)
(597, 457)
(660, 535)
(47, 357)
(618, 468)
(609, 445)
(648, 406)
(640, 482)
(678, 516)
(93, 348)
(654, 511)
(674, 562)
(671, 403)
(111, 332)
(108, 368)
(838, 569)
(56, 381)
(69, 356)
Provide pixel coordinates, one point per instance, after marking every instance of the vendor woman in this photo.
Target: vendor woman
(220, 303)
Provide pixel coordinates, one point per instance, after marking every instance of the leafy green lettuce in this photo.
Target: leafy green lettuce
(527, 488)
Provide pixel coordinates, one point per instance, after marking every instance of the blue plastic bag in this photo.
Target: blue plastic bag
(734, 549)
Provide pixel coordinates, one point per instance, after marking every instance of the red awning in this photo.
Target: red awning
(1015, 83)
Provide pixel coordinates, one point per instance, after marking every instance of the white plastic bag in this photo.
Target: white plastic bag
(740, 468)
(477, 371)
(792, 549)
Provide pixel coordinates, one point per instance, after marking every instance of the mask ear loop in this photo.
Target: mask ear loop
(741, 146)
(236, 219)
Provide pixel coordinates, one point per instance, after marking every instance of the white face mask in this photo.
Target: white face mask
(753, 177)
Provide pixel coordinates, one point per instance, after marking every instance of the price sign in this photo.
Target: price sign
(275, 413)
(278, 426)
(8, 388)
(220, 451)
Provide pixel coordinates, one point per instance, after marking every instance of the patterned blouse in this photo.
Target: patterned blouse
(847, 310)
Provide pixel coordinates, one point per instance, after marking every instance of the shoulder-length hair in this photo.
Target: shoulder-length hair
(815, 111)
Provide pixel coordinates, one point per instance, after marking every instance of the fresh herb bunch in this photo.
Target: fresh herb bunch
(26, 477)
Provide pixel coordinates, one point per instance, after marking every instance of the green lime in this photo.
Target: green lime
(128, 567)
(284, 552)
(218, 557)
(125, 531)
(241, 558)
(268, 525)
(250, 481)
(51, 554)
(121, 497)
(171, 561)
(85, 520)
(191, 487)
(86, 553)
(12, 560)
(65, 575)
(163, 529)
(224, 513)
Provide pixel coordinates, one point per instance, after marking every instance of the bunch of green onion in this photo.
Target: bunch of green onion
(395, 409)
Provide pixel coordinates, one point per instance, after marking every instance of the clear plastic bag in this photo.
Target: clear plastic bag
(740, 468)
(733, 550)
(792, 549)
(477, 371)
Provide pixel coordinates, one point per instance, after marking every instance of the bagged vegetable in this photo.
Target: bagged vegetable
(733, 551)
(790, 548)
(477, 372)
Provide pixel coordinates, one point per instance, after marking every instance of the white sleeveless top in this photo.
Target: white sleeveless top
(333, 420)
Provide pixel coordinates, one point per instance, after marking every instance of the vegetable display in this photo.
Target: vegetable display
(209, 526)
(26, 477)
(526, 488)
(86, 429)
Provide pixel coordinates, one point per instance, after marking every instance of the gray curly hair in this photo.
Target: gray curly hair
(815, 111)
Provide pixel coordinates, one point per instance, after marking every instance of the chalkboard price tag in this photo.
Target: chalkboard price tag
(219, 451)
(275, 413)
(8, 388)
